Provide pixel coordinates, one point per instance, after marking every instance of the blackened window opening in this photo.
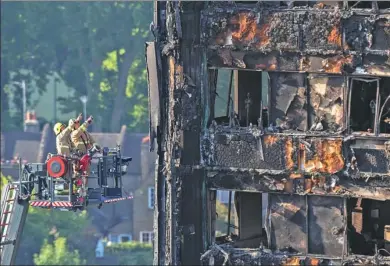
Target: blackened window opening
(383, 4)
(251, 97)
(223, 95)
(301, 3)
(246, 2)
(225, 223)
(384, 111)
(362, 114)
(245, 227)
(284, 3)
(359, 4)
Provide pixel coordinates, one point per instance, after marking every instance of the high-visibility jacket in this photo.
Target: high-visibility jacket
(81, 139)
(64, 143)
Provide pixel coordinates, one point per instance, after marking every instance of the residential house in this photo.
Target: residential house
(143, 204)
(115, 221)
(124, 221)
(32, 145)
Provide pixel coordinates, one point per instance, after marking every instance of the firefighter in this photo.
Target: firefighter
(64, 143)
(81, 139)
(82, 142)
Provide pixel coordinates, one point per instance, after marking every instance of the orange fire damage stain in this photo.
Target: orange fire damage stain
(318, 181)
(294, 176)
(171, 71)
(272, 67)
(145, 139)
(314, 261)
(289, 152)
(248, 29)
(304, 64)
(270, 140)
(289, 186)
(292, 261)
(336, 63)
(289, 206)
(328, 157)
(179, 75)
(320, 5)
(262, 35)
(175, 73)
(335, 36)
(308, 185)
(336, 189)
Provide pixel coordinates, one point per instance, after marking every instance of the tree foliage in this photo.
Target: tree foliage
(132, 253)
(96, 48)
(42, 224)
(4, 182)
(222, 218)
(57, 254)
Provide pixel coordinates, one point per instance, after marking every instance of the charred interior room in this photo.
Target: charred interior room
(285, 106)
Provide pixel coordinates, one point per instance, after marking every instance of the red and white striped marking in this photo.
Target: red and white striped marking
(40, 203)
(118, 199)
(49, 204)
(62, 204)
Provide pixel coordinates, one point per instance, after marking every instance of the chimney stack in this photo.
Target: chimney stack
(31, 123)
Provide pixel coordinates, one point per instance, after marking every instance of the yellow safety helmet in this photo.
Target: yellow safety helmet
(57, 128)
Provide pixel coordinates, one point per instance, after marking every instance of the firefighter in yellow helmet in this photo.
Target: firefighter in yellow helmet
(81, 138)
(64, 143)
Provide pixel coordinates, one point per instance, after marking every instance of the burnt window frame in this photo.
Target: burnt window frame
(377, 100)
(354, 6)
(212, 91)
(344, 94)
(307, 202)
(270, 90)
(263, 104)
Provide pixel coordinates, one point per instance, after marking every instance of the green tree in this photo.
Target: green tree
(4, 181)
(57, 254)
(42, 223)
(222, 218)
(132, 253)
(97, 48)
(23, 57)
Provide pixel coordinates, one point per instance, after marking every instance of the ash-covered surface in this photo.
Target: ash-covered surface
(381, 34)
(327, 100)
(283, 31)
(245, 181)
(358, 33)
(243, 150)
(227, 255)
(321, 30)
(372, 161)
(289, 61)
(319, 40)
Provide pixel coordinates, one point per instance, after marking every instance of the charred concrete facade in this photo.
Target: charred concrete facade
(307, 122)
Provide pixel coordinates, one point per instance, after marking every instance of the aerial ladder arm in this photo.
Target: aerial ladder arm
(13, 217)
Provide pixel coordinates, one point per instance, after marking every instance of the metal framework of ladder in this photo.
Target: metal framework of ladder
(13, 218)
(7, 207)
